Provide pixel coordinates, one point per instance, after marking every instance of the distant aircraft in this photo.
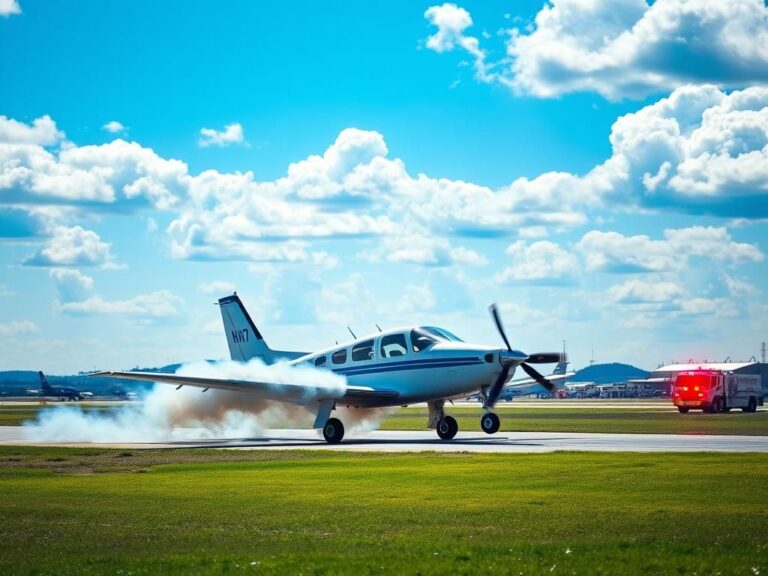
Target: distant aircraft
(528, 386)
(60, 392)
(390, 368)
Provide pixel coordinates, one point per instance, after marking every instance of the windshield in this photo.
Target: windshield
(442, 333)
(421, 339)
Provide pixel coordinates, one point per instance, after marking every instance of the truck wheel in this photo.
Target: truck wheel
(752, 406)
(682, 409)
(716, 407)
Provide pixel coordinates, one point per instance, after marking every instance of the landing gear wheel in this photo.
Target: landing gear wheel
(447, 428)
(490, 423)
(752, 406)
(682, 409)
(716, 407)
(333, 431)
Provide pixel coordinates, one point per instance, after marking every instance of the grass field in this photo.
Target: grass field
(659, 420)
(76, 511)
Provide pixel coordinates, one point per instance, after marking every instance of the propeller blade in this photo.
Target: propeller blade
(493, 393)
(545, 358)
(551, 388)
(494, 310)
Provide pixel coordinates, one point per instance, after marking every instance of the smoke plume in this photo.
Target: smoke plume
(189, 413)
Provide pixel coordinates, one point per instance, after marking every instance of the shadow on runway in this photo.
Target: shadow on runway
(280, 442)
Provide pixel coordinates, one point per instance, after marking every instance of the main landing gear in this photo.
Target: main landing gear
(490, 423)
(447, 427)
(333, 431)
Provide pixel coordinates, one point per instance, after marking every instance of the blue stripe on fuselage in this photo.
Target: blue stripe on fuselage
(408, 365)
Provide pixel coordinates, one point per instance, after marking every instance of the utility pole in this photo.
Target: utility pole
(763, 351)
(592, 359)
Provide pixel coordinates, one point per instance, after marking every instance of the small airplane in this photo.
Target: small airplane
(394, 367)
(60, 392)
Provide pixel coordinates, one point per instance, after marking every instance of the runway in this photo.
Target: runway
(419, 441)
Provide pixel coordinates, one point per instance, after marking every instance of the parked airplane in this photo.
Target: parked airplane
(60, 392)
(528, 386)
(391, 368)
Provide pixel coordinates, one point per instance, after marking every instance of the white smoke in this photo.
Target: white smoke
(189, 413)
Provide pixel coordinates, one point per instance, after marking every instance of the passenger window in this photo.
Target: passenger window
(320, 361)
(393, 345)
(340, 356)
(362, 351)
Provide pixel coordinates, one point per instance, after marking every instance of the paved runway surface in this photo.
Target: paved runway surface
(417, 441)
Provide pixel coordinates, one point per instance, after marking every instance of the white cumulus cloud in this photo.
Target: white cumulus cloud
(114, 127)
(72, 246)
(160, 304)
(232, 134)
(620, 48)
(614, 252)
(9, 8)
(542, 262)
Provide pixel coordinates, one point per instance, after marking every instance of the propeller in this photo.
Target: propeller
(538, 358)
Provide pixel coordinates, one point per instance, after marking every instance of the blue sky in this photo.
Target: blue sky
(599, 170)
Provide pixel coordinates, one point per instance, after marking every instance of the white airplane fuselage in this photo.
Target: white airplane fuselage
(444, 369)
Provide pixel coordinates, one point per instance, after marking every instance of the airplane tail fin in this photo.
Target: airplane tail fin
(43, 381)
(244, 339)
(561, 367)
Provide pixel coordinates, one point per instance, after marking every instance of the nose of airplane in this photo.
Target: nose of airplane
(511, 357)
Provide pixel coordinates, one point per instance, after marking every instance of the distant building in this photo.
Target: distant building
(663, 377)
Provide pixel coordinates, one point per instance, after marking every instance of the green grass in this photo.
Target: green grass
(592, 419)
(658, 420)
(78, 511)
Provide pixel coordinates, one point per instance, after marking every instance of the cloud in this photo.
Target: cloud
(73, 246)
(662, 299)
(9, 8)
(620, 48)
(17, 327)
(451, 21)
(71, 285)
(232, 134)
(216, 287)
(616, 253)
(628, 48)
(42, 131)
(425, 251)
(540, 263)
(120, 174)
(114, 127)
(160, 304)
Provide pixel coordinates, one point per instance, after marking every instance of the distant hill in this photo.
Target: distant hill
(609, 373)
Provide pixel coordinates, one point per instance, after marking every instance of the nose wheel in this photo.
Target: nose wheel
(490, 423)
(447, 427)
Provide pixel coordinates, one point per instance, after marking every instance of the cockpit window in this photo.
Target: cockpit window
(362, 351)
(421, 339)
(340, 356)
(442, 333)
(320, 361)
(393, 345)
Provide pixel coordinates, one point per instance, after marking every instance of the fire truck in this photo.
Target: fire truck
(716, 391)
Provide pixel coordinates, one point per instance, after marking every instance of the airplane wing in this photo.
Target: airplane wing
(284, 392)
(554, 378)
